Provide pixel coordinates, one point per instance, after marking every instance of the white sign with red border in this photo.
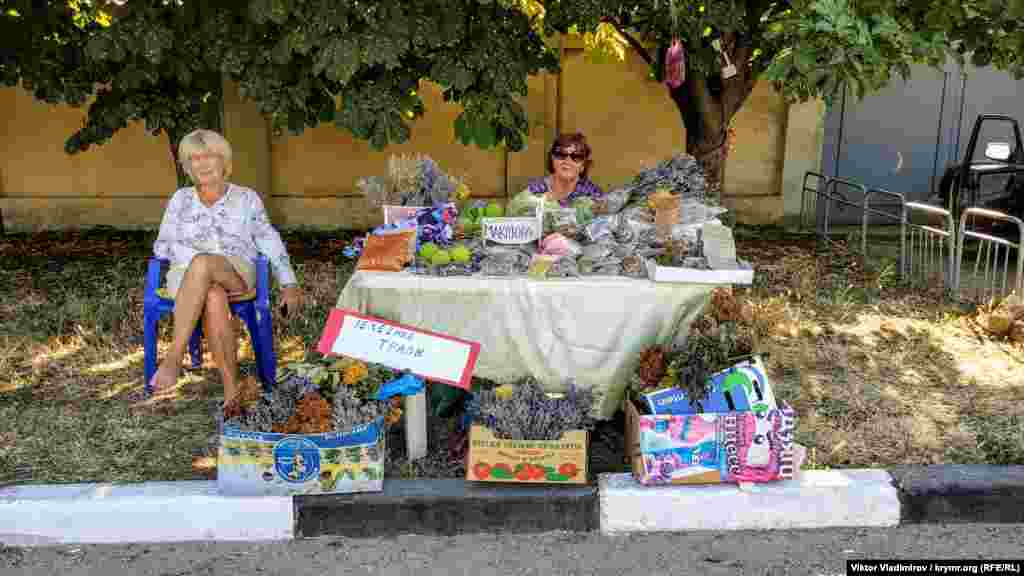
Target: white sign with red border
(426, 354)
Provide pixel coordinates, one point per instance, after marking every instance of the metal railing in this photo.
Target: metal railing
(986, 260)
(840, 199)
(928, 249)
(899, 216)
(809, 202)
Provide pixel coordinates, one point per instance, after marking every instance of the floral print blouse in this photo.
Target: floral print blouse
(236, 225)
(584, 188)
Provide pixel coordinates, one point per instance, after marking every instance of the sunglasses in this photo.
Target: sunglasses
(561, 155)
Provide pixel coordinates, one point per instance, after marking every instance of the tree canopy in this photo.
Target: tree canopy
(359, 64)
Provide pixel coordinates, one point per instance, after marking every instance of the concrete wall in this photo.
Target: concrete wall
(121, 183)
(309, 179)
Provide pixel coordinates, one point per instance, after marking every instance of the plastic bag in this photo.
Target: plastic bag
(400, 227)
(388, 252)
(505, 263)
(405, 385)
(584, 210)
(611, 203)
(633, 266)
(605, 266)
(635, 229)
(600, 228)
(561, 221)
(598, 251)
(523, 204)
(559, 245)
(564, 267)
(540, 264)
(608, 266)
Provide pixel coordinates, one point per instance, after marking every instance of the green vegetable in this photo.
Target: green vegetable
(441, 258)
(460, 254)
(494, 210)
(428, 250)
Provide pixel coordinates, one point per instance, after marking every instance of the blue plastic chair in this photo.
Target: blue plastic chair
(255, 312)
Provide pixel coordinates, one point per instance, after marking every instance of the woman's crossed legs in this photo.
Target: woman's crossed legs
(209, 282)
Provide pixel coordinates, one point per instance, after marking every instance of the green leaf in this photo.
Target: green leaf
(485, 134)
(462, 131)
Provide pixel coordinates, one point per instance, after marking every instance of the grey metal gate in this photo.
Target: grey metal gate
(903, 137)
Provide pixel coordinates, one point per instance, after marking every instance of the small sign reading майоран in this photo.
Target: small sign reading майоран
(511, 230)
(426, 354)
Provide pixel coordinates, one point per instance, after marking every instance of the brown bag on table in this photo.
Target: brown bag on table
(389, 252)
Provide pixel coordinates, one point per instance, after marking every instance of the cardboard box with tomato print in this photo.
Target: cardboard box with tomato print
(562, 461)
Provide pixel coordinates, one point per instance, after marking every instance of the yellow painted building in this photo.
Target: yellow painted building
(309, 180)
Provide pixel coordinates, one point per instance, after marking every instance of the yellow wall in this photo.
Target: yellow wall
(628, 119)
(309, 179)
(120, 183)
(324, 163)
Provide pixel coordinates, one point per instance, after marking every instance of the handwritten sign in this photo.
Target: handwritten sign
(426, 354)
(511, 230)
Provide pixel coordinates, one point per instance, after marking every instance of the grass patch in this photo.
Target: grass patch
(71, 357)
(879, 373)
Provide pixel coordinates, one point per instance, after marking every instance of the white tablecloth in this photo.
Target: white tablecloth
(590, 329)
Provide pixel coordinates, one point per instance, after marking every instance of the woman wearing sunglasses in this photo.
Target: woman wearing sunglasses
(568, 163)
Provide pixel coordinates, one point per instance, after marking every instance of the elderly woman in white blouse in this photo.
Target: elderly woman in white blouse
(212, 233)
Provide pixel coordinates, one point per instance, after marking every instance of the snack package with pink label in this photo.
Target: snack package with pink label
(711, 448)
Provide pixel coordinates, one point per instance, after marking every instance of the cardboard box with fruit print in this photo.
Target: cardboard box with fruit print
(269, 464)
(562, 461)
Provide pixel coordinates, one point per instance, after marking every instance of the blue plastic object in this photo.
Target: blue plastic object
(255, 313)
(405, 385)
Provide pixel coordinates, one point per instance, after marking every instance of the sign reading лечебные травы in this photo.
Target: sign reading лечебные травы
(511, 230)
(426, 354)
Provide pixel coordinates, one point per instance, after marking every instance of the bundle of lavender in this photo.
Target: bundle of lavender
(524, 411)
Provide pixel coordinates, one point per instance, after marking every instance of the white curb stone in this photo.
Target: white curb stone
(815, 499)
(149, 512)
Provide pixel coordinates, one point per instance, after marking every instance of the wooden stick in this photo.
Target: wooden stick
(416, 425)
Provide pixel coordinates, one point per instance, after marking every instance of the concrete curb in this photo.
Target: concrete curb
(148, 512)
(188, 511)
(815, 499)
(960, 493)
(446, 507)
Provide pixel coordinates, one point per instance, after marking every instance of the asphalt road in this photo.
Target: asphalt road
(819, 552)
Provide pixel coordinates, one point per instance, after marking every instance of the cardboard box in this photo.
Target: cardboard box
(739, 388)
(267, 464)
(742, 275)
(562, 461)
(710, 448)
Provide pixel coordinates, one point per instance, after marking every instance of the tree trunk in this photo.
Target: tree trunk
(707, 105)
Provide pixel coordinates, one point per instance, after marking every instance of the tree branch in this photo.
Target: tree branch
(633, 42)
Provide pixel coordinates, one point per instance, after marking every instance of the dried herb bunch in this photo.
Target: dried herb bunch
(269, 410)
(524, 411)
(350, 410)
(312, 416)
(307, 395)
(717, 339)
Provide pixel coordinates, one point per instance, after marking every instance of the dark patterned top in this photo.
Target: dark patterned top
(584, 188)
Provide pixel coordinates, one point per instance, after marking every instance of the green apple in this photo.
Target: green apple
(460, 254)
(494, 210)
(441, 258)
(428, 250)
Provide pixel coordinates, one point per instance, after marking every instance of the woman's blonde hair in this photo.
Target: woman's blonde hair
(204, 141)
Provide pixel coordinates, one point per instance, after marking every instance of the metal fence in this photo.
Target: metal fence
(924, 250)
(929, 250)
(989, 277)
